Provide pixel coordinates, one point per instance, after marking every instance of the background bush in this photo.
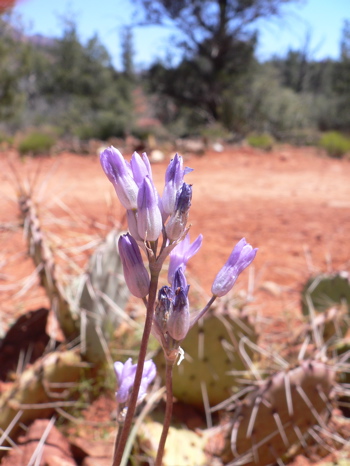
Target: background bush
(36, 143)
(335, 144)
(261, 141)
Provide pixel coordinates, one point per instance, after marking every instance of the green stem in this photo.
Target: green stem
(122, 439)
(168, 412)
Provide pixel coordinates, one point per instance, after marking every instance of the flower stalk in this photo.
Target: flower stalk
(168, 412)
(122, 439)
(158, 227)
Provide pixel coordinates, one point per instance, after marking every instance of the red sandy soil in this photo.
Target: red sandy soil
(292, 203)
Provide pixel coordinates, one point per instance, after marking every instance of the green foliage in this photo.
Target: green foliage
(261, 141)
(15, 58)
(217, 52)
(215, 81)
(335, 144)
(36, 143)
(67, 84)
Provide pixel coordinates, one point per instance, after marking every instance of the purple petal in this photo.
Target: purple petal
(118, 173)
(149, 218)
(140, 167)
(181, 254)
(135, 273)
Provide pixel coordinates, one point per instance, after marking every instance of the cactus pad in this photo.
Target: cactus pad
(325, 291)
(280, 412)
(211, 352)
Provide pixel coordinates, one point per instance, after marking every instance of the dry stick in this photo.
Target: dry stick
(168, 412)
(122, 438)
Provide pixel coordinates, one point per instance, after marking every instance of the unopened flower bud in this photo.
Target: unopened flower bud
(119, 174)
(135, 273)
(179, 280)
(164, 307)
(149, 218)
(131, 216)
(173, 182)
(140, 167)
(179, 320)
(177, 222)
(241, 256)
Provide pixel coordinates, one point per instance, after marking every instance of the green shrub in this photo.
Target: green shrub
(261, 141)
(335, 144)
(214, 132)
(36, 143)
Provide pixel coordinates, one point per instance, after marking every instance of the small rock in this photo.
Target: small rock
(156, 156)
(218, 147)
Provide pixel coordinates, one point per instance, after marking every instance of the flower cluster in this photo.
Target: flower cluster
(149, 215)
(158, 226)
(151, 218)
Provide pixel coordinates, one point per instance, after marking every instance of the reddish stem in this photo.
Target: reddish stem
(123, 437)
(168, 412)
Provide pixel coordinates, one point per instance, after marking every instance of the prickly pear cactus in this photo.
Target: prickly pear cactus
(324, 291)
(49, 274)
(279, 413)
(39, 389)
(93, 305)
(330, 325)
(184, 447)
(211, 351)
(100, 296)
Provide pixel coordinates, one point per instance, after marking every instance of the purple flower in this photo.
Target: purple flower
(135, 273)
(241, 256)
(173, 181)
(140, 167)
(181, 254)
(119, 174)
(179, 319)
(149, 218)
(177, 222)
(125, 374)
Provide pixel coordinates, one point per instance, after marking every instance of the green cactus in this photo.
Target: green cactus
(330, 325)
(211, 352)
(49, 273)
(39, 390)
(325, 291)
(184, 447)
(280, 412)
(100, 295)
(93, 305)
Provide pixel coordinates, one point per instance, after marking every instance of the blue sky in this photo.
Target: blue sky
(323, 19)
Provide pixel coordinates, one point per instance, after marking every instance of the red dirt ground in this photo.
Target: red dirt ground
(293, 204)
